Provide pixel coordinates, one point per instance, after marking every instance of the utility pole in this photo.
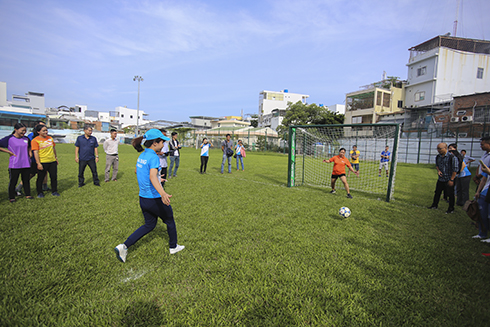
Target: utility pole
(139, 79)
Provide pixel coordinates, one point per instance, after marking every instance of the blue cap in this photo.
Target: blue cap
(154, 134)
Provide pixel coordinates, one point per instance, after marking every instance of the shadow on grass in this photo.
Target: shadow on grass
(143, 314)
(275, 181)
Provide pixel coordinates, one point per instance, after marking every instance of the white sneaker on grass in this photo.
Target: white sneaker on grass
(176, 249)
(121, 252)
(486, 240)
(477, 236)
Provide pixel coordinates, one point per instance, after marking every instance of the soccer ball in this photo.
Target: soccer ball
(344, 212)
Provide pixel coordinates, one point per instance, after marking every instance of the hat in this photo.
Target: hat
(153, 134)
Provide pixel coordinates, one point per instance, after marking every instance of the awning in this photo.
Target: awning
(17, 115)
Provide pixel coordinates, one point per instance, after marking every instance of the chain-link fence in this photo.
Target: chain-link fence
(416, 145)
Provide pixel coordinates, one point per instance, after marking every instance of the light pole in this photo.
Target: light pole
(139, 79)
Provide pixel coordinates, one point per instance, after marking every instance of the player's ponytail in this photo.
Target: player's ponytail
(136, 143)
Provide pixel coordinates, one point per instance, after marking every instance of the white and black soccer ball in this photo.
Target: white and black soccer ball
(344, 212)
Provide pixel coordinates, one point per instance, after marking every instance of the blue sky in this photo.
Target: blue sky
(213, 58)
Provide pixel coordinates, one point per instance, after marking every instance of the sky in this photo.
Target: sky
(214, 57)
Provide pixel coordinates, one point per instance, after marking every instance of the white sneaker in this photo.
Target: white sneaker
(486, 240)
(176, 249)
(477, 236)
(121, 252)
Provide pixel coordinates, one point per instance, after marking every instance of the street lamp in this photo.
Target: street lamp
(139, 79)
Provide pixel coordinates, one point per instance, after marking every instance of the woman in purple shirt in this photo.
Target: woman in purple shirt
(18, 147)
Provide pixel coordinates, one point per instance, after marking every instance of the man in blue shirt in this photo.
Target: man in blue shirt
(86, 153)
(447, 167)
(385, 158)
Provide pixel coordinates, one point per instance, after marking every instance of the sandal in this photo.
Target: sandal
(30, 197)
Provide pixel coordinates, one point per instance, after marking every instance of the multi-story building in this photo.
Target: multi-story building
(127, 117)
(444, 67)
(202, 122)
(270, 100)
(365, 106)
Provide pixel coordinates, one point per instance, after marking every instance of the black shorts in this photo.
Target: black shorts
(33, 168)
(337, 176)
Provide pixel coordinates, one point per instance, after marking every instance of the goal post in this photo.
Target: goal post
(309, 145)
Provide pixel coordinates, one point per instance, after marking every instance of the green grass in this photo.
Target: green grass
(257, 253)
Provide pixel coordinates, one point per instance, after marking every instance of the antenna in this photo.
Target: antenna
(455, 24)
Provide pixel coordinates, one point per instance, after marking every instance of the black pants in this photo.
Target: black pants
(463, 189)
(204, 163)
(163, 174)
(52, 169)
(81, 169)
(448, 191)
(14, 174)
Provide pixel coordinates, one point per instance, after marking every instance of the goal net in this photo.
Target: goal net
(309, 145)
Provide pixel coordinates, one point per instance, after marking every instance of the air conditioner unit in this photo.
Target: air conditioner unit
(454, 119)
(467, 118)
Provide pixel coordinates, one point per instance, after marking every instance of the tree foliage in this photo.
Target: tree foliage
(308, 114)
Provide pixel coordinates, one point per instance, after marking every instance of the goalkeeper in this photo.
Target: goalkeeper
(340, 162)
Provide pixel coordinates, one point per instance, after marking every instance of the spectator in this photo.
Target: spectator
(383, 162)
(463, 178)
(174, 155)
(44, 150)
(340, 161)
(485, 146)
(354, 159)
(447, 168)
(86, 153)
(18, 147)
(205, 154)
(227, 148)
(483, 205)
(112, 158)
(154, 201)
(163, 159)
(239, 157)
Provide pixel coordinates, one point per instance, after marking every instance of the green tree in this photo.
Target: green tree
(308, 114)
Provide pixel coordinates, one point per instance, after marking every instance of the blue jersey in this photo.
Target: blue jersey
(146, 161)
(385, 153)
(205, 150)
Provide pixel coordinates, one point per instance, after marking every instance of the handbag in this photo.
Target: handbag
(472, 210)
(229, 152)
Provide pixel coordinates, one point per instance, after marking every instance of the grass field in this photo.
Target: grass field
(257, 253)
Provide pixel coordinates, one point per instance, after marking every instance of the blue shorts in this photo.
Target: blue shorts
(355, 166)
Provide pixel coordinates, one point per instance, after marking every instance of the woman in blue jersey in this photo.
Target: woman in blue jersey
(154, 201)
(205, 154)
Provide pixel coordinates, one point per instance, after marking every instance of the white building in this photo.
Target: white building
(271, 100)
(30, 103)
(202, 122)
(127, 117)
(337, 108)
(444, 67)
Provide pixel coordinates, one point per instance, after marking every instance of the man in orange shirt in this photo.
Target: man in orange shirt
(340, 162)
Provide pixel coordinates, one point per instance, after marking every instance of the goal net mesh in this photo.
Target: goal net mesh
(310, 145)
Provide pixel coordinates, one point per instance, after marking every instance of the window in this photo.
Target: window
(400, 103)
(479, 73)
(131, 116)
(421, 71)
(461, 113)
(420, 96)
(122, 115)
(357, 120)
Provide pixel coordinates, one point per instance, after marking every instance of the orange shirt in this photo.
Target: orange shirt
(45, 147)
(339, 165)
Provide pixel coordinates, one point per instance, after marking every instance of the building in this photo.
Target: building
(444, 67)
(26, 109)
(365, 106)
(127, 117)
(337, 108)
(202, 122)
(270, 100)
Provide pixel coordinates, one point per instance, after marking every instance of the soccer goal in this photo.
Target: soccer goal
(309, 145)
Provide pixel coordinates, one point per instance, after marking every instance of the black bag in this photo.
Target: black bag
(229, 152)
